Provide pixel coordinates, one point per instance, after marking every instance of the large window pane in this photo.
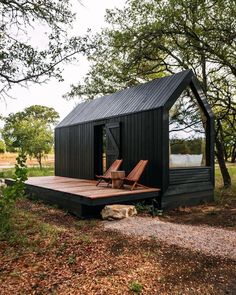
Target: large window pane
(187, 132)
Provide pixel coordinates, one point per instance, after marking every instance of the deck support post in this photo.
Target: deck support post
(156, 207)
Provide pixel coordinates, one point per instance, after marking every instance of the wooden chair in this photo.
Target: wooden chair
(134, 176)
(107, 175)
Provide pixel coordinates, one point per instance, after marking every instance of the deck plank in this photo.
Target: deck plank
(65, 185)
(105, 194)
(74, 190)
(59, 180)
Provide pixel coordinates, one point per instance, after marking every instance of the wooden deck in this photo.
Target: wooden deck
(81, 196)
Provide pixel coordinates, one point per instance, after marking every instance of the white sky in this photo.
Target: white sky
(91, 15)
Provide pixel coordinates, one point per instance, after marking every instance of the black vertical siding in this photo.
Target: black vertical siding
(73, 148)
(139, 133)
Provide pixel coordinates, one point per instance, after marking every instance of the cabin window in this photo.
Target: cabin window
(187, 136)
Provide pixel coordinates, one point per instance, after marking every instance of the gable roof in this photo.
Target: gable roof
(147, 96)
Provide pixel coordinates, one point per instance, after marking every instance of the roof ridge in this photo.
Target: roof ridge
(158, 90)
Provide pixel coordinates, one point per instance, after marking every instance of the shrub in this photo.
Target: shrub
(136, 287)
(10, 194)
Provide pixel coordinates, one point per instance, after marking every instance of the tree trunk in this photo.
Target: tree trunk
(233, 154)
(226, 158)
(40, 161)
(222, 142)
(223, 168)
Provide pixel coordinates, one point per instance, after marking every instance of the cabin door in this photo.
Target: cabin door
(106, 146)
(112, 143)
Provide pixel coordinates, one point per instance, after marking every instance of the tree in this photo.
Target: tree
(228, 137)
(2, 143)
(2, 147)
(23, 58)
(31, 131)
(150, 38)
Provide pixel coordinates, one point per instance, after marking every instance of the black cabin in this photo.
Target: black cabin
(166, 121)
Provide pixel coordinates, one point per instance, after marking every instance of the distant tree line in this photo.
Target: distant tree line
(194, 146)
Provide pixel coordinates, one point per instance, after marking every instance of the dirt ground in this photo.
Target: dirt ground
(218, 215)
(65, 255)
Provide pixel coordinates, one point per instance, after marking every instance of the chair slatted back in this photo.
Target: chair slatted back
(114, 167)
(136, 173)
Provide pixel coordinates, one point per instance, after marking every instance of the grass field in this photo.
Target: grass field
(232, 171)
(32, 171)
(9, 159)
(221, 192)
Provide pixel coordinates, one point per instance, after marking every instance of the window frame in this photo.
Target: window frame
(206, 122)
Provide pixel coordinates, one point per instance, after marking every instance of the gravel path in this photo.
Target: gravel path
(208, 240)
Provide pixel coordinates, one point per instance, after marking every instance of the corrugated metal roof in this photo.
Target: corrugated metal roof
(147, 96)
